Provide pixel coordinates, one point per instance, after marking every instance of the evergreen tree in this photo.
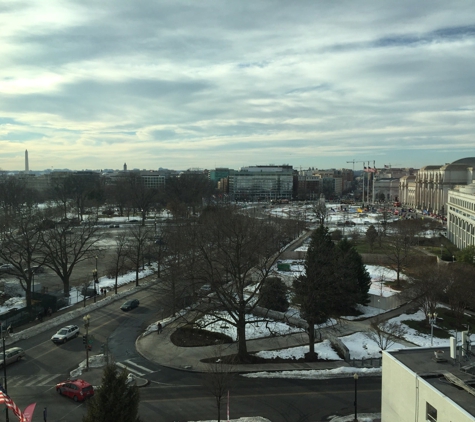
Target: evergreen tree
(114, 400)
(273, 295)
(335, 279)
(314, 290)
(359, 280)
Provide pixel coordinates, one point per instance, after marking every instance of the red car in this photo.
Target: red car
(76, 389)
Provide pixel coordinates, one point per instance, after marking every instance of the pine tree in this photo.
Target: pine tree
(273, 295)
(114, 400)
(314, 290)
(358, 277)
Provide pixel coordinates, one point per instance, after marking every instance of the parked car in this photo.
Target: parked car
(12, 355)
(77, 389)
(5, 268)
(65, 334)
(130, 304)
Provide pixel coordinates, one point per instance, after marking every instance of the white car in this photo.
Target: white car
(65, 334)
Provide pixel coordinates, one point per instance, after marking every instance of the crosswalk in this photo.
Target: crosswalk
(135, 368)
(49, 380)
(34, 380)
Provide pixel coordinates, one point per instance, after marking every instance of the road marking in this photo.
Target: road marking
(133, 370)
(147, 370)
(31, 380)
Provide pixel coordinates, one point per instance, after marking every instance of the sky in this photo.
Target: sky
(187, 84)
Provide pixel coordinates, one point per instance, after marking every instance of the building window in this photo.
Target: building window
(431, 413)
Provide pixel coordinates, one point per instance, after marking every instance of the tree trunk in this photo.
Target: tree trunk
(311, 355)
(66, 286)
(242, 346)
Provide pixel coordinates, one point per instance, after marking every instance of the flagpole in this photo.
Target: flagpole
(364, 172)
(4, 371)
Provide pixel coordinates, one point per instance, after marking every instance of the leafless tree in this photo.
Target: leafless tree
(218, 379)
(385, 333)
(320, 210)
(175, 264)
(138, 238)
(426, 287)
(66, 245)
(461, 291)
(399, 244)
(236, 254)
(20, 249)
(120, 263)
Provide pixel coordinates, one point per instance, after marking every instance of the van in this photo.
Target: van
(12, 355)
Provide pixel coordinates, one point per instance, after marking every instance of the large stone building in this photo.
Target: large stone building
(428, 191)
(461, 216)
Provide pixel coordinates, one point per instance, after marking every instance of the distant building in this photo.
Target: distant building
(461, 216)
(261, 183)
(429, 190)
(418, 386)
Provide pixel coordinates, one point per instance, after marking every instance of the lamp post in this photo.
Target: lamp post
(86, 319)
(432, 321)
(355, 377)
(4, 370)
(95, 281)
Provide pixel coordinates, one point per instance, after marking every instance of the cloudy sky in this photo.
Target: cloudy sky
(178, 84)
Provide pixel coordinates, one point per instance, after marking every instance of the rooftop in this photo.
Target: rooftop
(453, 379)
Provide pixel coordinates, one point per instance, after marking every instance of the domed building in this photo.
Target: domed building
(428, 190)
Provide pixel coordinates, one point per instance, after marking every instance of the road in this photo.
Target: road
(172, 395)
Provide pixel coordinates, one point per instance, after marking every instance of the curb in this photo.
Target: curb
(68, 316)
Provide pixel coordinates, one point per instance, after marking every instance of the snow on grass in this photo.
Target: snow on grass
(316, 374)
(254, 330)
(362, 347)
(414, 336)
(324, 350)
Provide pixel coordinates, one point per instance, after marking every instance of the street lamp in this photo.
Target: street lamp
(432, 321)
(95, 280)
(86, 319)
(355, 377)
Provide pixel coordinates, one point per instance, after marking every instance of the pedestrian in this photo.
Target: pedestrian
(105, 292)
(159, 327)
(50, 311)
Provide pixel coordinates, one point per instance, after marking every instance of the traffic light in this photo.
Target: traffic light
(84, 339)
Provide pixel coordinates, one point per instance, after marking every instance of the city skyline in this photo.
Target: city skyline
(203, 85)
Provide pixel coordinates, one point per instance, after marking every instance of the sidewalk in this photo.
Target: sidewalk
(160, 349)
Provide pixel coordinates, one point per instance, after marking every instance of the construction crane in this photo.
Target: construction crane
(354, 161)
(390, 165)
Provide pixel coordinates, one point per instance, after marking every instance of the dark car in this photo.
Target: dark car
(76, 389)
(130, 304)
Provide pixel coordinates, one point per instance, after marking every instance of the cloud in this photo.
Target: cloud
(204, 84)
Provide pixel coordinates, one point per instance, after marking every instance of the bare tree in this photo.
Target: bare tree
(176, 264)
(399, 244)
(385, 333)
(218, 379)
(138, 237)
(320, 210)
(461, 292)
(426, 287)
(20, 248)
(236, 254)
(65, 246)
(120, 258)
